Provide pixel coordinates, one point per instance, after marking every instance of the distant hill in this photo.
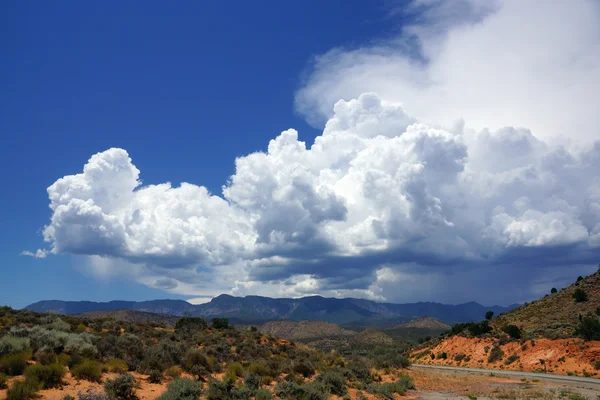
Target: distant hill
(372, 337)
(258, 309)
(132, 316)
(554, 315)
(425, 323)
(169, 307)
(544, 341)
(304, 329)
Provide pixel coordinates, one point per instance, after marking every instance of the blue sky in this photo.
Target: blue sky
(162, 82)
(188, 88)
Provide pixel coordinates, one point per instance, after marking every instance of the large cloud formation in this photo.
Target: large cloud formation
(386, 204)
(376, 196)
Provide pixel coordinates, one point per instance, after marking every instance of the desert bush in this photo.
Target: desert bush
(262, 394)
(121, 388)
(579, 295)
(93, 396)
(459, 357)
(259, 368)
(553, 290)
(189, 325)
(511, 359)
(90, 370)
(589, 328)
(489, 315)
(513, 331)
(182, 389)
(161, 356)
(495, 354)
(173, 372)
(45, 358)
(155, 376)
(334, 381)
(68, 397)
(22, 390)
(252, 382)
(288, 390)
(387, 390)
(3, 380)
(406, 381)
(196, 363)
(14, 364)
(315, 390)
(46, 376)
(13, 344)
(305, 369)
(225, 389)
(59, 325)
(220, 323)
(116, 365)
(441, 356)
(360, 369)
(235, 370)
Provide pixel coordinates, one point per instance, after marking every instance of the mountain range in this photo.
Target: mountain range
(258, 309)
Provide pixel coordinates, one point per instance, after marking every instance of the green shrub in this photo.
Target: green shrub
(553, 290)
(235, 370)
(219, 390)
(173, 372)
(90, 370)
(3, 380)
(361, 371)
(252, 382)
(511, 359)
(220, 323)
(315, 391)
(46, 376)
(459, 357)
(334, 381)
(304, 369)
(190, 324)
(489, 315)
(262, 394)
(121, 388)
(196, 363)
(495, 354)
(45, 357)
(68, 397)
(579, 295)
(116, 365)
(13, 344)
(22, 390)
(182, 389)
(442, 356)
(589, 328)
(14, 364)
(289, 390)
(597, 365)
(513, 331)
(155, 376)
(406, 381)
(387, 390)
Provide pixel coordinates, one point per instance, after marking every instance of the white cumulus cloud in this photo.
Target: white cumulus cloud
(476, 161)
(379, 198)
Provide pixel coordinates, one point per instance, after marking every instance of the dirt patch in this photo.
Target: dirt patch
(560, 356)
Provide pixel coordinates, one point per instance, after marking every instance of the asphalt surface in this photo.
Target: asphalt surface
(518, 374)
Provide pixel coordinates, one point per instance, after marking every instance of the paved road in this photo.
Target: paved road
(519, 374)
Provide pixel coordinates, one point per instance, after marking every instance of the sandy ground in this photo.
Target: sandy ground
(430, 384)
(562, 356)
